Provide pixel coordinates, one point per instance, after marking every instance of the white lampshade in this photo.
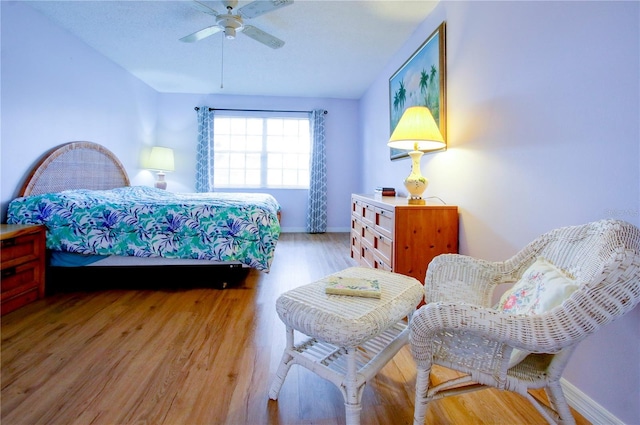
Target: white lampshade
(417, 130)
(161, 159)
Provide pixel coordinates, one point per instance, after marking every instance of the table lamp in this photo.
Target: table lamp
(416, 131)
(161, 160)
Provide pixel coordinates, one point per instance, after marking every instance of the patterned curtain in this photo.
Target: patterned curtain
(317, 205)
(204, 155)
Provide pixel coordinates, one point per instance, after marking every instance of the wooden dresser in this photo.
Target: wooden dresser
(22, 261)
(389, 234)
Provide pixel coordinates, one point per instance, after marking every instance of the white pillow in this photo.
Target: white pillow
(542, 287)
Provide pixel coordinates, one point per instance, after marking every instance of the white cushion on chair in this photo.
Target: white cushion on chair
(542, 287)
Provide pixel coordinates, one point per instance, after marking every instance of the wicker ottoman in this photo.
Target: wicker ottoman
(348, 338)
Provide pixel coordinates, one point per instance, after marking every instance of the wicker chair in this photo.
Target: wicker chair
(459, 329)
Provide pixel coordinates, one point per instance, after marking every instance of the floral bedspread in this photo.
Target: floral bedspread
(148, 222)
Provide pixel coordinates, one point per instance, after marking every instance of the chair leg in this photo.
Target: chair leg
(422, 385)
(559, 403)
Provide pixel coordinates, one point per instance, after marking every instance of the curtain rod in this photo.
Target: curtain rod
(197, 108)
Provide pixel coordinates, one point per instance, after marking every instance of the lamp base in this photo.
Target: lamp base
(416, 201)
(161, 183)
(415, 182)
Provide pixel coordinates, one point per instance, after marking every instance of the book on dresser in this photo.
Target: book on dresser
(389, 234)
(386, 191)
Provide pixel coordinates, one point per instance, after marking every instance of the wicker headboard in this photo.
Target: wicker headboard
(76, 165)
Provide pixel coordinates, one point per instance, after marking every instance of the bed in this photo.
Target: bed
(82, 194)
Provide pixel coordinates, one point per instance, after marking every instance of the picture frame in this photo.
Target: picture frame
(421, 81)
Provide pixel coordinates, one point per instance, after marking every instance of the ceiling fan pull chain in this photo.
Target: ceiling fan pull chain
(222, 63)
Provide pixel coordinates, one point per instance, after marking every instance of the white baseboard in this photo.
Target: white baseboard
(304, 230)
(588, 408)
(293, 229)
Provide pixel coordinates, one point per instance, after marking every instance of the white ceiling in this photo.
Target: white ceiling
(332, 49)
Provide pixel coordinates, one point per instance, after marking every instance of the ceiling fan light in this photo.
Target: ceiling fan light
(230, 33)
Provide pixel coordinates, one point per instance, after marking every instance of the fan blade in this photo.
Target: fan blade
(260, 7)
(203, 8)
(262, 37)
(199, 35)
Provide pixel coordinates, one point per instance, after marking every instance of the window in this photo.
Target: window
(261, 151)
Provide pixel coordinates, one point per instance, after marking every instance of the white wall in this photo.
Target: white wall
(57, 90)
(543, 113)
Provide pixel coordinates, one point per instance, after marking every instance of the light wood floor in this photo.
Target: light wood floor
(202, 356)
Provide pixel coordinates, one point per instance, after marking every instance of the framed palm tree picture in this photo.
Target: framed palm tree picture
(421, 81)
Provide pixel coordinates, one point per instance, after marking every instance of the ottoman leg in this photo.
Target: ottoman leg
(352, 412)
(283, 369)
(352, 390)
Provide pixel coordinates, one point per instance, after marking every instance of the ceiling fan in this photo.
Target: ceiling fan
(231, 23)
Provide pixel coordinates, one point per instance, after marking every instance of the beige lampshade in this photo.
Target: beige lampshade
(417, 130)
(161, 159)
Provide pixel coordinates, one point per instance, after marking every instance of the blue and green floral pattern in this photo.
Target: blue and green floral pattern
(148, 222)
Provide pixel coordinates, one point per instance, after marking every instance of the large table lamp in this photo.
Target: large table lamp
(416, 131)
(161, 160)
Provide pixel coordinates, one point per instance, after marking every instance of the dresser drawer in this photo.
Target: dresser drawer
(380, 264)
(356, 254)
(371, 257)
(380, 219)
(366, 254)
(356, 209)
(384, 249)
(382, 245)
(14, 302)
(356, 226)
(20, 250)
(369, 214)
(19, 277)
(355, 245)
(384, 222)
(21, 285)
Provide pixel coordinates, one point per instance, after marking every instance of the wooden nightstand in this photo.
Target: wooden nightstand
(22, 261)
